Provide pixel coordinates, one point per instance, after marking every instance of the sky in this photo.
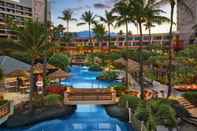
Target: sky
(98, 7)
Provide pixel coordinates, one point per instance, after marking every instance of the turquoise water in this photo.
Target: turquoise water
(81, 77)
(86, 117)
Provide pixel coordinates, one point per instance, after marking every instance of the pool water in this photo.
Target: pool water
(86, 117)
(81, 77)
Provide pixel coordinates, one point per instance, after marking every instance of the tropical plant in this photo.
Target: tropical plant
(156, 113)
(109, 75)
(32, 40)
(1, 74)
(124, 17)
(132, 101)
(54, 99)
(99, 30)
(59, 60)
(191, 96)
(109, 19)
(67, 16)
(88, 18)
(170, 50)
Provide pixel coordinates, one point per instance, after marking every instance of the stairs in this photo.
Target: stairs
(184, 102)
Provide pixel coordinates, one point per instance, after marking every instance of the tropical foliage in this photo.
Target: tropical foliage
(59, 60)
(191, 96)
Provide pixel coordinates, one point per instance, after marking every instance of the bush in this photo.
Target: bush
(110, 75)
(54, 99)
(95, 67)
(59, 60)
(119, 87)
(132, 101)
(191, 96)
(38, 101)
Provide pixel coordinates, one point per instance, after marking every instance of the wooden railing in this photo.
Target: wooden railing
(90, 95)
(4, 109)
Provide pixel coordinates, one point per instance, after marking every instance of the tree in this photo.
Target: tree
(122, 8)
(109, 19)
(99, 30)
(153, 17)
(60, 60)
(32, 40)
(88, 18)
(1, 74)
(170, 50)
(67, 16)
(155, 113)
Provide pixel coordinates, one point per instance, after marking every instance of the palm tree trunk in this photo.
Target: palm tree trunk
(67, 27)
(45, 55)
(109, 38)
(127, 57)
(31, 86)
(149, 31)
(170, 52)
(141, 77)
(90, 44)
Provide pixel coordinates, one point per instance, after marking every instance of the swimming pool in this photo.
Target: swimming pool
(86, 117)
(81, 77)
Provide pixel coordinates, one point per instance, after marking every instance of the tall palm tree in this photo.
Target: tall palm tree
(170, 50)
(153, 18)
(122, 8)
(67, 16)
(109, 19)
(88, 18)
(31, 40)
(1, 74)
(99, 30)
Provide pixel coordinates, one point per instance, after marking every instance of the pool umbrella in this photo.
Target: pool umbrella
(59, 74)
(19, 73)
(40, 66)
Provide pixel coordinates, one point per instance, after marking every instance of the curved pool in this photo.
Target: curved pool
(86, 117)
(81, 77)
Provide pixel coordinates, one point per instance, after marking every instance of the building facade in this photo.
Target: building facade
(186, 19)
(20, 11)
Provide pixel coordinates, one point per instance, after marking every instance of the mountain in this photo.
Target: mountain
(85, 34)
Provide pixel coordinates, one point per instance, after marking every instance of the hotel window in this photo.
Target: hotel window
(27, 9)
(157, 38)
(19, 12)
(2, 16)
(10, 10)
(2, 9)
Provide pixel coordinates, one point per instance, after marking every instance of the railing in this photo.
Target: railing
(100, 96)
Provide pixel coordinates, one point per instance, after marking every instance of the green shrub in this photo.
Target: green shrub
(95, 67)
(110, 75)
(54, 99)
(59, 60)
(191, 96)
(38, 101)
(133, 101)
(119, 86)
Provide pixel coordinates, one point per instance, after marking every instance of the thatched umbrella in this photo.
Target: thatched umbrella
(40, 66)
(18, 74)
(59, 74)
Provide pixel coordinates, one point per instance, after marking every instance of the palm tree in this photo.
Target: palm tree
(122, 9)
(109, 19)
(67, 16)
(1, 74)
(32, 40)
(154, 17)
(170, 50)
(99, 30)
(88, 18)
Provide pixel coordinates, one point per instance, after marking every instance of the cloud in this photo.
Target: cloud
(101, 6)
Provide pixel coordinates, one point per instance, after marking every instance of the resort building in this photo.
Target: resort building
(186, 19)
(20, 10)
